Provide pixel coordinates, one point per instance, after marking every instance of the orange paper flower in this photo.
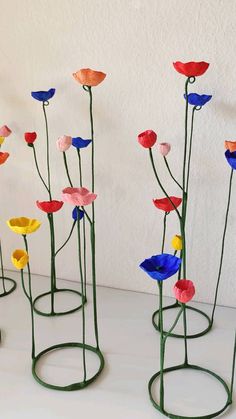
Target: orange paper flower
(3, 157)
(230, 145)
(88, 77)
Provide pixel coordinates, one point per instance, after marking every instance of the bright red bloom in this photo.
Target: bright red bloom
(49, 206)
(147, 138)
(3, 157)
(184, 290)
(30, 137)
(191, 69)
(165, 205)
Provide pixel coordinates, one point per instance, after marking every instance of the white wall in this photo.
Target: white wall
(134, 42)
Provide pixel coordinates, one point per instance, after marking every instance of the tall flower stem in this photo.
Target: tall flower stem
(92, 226)
(48, 151)
(222, 246)
(170, 172)
(82, 290)
(185, 335)
(53, 268)
(84, 227)
(67, 170)
(160, 285)
(164, 232)
(2, 268)
(30, 298)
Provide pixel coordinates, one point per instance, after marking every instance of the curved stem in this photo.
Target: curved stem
(67, 170)
(168, 168)
(39, 173)
(2, 268)
(160, 184)
(222, 246)
(233, 367)
(68, 238)
(82, 291)
(48, 154)
(30, 297)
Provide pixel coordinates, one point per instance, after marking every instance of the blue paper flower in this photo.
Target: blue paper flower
(162, 266)
(231, 158)
(197, 100)
(78, 142)
(75, 214)
(43, 96)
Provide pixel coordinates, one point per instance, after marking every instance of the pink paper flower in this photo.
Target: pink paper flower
(64, 142)
(78, 196)
(5, 131)
(164, 148)
(184, 290)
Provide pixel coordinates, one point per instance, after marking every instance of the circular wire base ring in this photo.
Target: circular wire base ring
(178, 335)
(193, 367)
(58, 313)
(13, 286)
(74, 386)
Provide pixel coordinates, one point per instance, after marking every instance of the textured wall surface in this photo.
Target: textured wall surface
(134, 42)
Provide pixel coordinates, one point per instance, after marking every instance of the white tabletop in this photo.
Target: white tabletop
(131, 349)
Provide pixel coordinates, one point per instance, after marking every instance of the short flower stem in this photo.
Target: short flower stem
(48, 153)
(37, 168)
(67, 170)
(160, 184)
(168, 168)
(30, 298)
(82, 291)
(222, 246)
(80, 167)
(2, 268)
(68, 238)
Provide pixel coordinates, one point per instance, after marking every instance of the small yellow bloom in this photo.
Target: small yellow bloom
(177, 242)
(2, 139)
(23, 225)
(19, 258)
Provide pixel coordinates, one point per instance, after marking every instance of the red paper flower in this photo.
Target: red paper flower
(49, 206)
(3, 157)
(147, 138)
(184, 290)
(30, 137)
(165, 205)
(191, 69)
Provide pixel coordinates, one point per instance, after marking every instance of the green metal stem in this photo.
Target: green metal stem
(168, 168)
(185, 336)
(223, 245)
(164, 232)
(68, 238)
(48, 151)
(30, 297)
(53, 269)
(39, 173)
(67, 170)
(82, 291)
(160, 184)
(233, 367)
(2, 268)
(160, 284)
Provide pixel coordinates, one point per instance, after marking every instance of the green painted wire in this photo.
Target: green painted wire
(171, 174)
(48, 150)
(67, 170)
(38, 170)
(2, 269)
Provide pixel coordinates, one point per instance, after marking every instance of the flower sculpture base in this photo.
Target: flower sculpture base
(58, 313)
(74, 386)
(197, 368)
(12, 287)
(155, 321)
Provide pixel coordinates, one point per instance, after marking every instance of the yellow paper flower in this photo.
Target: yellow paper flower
(23, 225)
(177, 242)
(19, 258)
(2, 139)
